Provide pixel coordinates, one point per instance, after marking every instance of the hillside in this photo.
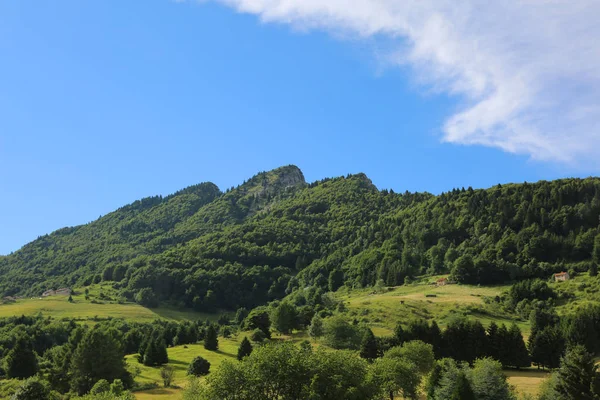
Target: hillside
(273, 234)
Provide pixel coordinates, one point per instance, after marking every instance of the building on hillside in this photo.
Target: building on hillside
(441, 282)
(561, 277)
(62, 291)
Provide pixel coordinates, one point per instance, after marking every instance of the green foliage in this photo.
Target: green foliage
(489, 382)
(459, 382)
(199, 367)
(146, 297)
(577, 377)
(368, 346)
(21, 361)
(102, 386)
(339, 334)
(284, 317)
(395, 376)
(316, 329)
(245, 349)
(258, 336)
(416, 352)
(285, 371)
(166, 373)
(32, 389)
(97, 356)
(211, 341)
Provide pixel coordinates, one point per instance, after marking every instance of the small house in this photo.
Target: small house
(441, 282)
(561, 277)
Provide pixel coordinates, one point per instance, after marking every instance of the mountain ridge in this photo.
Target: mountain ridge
(274, 233)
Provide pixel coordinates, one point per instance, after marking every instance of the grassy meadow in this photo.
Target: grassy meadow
(102, 303)
(383, 310)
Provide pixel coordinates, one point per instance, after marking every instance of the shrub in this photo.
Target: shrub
(199, 367)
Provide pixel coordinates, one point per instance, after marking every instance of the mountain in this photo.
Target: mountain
(275, 233)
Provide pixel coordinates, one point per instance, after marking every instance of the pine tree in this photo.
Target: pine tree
(518, 350)
(493, 341)
(577, 375)
(463, 390)
(368, 346)
(211, 342)
(435, 339)
(245, 349)
(21, 362)
(547, 347)
(503, 343)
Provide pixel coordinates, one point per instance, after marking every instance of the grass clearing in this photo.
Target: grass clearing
(425, 301)
(102, 303)
(527, 381)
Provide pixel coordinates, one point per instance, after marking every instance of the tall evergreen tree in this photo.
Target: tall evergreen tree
(211, 342)
(519, 354)
(577, 376)
(547, 346)
(368, 346)
(245, 349)
(21, 361)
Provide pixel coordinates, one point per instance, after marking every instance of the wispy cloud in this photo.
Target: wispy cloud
(527, 71)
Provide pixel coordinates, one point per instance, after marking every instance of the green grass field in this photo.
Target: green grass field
(107, 307)
(403, 303)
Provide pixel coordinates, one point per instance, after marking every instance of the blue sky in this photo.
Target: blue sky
(105, 102)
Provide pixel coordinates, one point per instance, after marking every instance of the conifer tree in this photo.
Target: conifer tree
(368, 346)
(577, 376)
(245, 349)
(211, 342)
(518, 350)
(21, 362)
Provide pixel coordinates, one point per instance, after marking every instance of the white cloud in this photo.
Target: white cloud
(528, 70)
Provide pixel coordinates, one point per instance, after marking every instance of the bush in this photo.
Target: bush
(147, 298)
(199, 367)
(32, 389)
(166, 373)
(102, 386)
(258, 336)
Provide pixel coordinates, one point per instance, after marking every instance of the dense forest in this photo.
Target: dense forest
(206, 249)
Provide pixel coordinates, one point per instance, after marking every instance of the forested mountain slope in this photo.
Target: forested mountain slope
(273, 234)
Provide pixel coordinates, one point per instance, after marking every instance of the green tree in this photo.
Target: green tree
(259, 319)
(368, 346)
(519, 354)
(339, 334)
(32, 389)
(489, 382)
(547, 346)
(416, 352)
(21, 361)
(245, 349)
(147, 298)
(102, 386)
(211, 341)
(316, 329)
(596, 250)
(283, 317)
(166, 373)
(577, 377)
(96, 357)
(396, 376)
(199, 367)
